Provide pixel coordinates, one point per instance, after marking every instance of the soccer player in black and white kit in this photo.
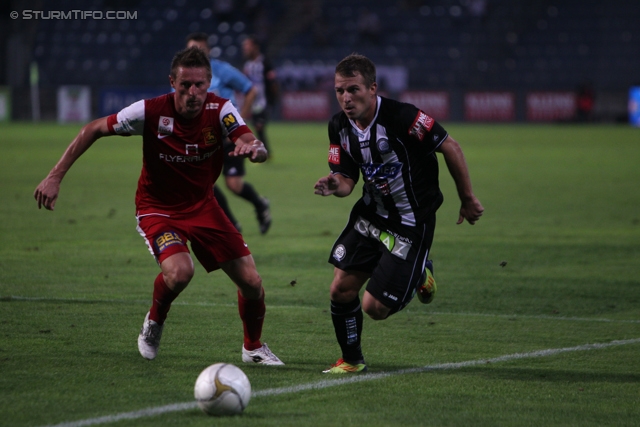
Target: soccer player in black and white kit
(390, 230)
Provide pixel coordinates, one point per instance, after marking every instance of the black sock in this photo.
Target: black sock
(249, 193)
(347, 322)
(222, 201)
(261, 134)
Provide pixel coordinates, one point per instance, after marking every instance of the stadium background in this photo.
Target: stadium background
(462, 60)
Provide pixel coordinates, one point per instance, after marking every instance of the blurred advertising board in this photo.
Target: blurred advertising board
(306, 106)
(435, 104)
(114, 99)
(74, 104)
(490, 106)
(5, 104)
(551, 106)
(634, 106)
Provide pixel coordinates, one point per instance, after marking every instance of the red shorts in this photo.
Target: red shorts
(213, 237)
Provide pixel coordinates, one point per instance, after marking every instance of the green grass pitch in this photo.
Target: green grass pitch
(550, 338)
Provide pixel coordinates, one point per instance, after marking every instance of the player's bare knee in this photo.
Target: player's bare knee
(375, 313)
(251, 286)
(341, 295)
(178, 278)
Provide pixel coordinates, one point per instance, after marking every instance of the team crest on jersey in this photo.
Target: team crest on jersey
(334, 154)
(230, 122)
(421, 125)
(383, 146)
(165, 125)
(209, 136)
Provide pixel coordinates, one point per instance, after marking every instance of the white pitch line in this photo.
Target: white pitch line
(148, 412)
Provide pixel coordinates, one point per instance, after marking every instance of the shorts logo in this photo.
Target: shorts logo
(396, 244)
(167, 239)
(339, 252)
(165, 125)
(334, 154)
(209, 136)
(421, 125)
(230, 122)
(388, 295)
(388, 240)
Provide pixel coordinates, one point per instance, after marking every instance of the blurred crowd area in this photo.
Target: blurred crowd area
(452, 45)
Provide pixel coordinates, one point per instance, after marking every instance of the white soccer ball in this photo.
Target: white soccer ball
(222, 389)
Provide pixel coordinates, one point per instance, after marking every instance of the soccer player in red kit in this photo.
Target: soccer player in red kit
(182, 134)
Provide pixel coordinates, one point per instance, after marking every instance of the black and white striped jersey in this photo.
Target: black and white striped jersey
(397, 159)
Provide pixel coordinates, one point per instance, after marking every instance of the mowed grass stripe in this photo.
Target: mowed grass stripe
(319, 385)
(303, 307)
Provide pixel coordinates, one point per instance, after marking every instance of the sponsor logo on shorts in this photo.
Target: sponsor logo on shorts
(396, 244)
(166, 239)
(388, 295)
(339, 252)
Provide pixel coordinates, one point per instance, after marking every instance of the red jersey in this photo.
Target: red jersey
(182, 158)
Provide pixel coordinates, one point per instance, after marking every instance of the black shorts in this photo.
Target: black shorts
(232, 166)
(259, 119)
(394, 255)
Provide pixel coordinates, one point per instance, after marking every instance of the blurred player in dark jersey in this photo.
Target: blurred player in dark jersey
(260, 71)
(226, 80)
(387, 239)
(182, 134)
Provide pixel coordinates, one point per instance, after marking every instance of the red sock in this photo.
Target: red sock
(162, 299)
(252, 315)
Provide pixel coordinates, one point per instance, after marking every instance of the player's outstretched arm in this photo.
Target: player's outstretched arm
(471, 209)
(334, 184)
(46, 193)
(248, 146)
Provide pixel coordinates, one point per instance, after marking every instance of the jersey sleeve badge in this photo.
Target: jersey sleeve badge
(334, 154)
(230, 122)
(421, 125)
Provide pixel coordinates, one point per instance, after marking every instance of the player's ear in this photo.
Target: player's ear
(171, 81)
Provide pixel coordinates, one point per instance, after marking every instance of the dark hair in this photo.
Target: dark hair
(191, 57)
(199, 37)
(360, 64)
(254, 39)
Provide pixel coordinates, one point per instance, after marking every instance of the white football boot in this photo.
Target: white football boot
(261, 355)
(149, 338)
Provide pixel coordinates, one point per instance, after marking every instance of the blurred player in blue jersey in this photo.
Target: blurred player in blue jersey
(226, 80)
(388, 237)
